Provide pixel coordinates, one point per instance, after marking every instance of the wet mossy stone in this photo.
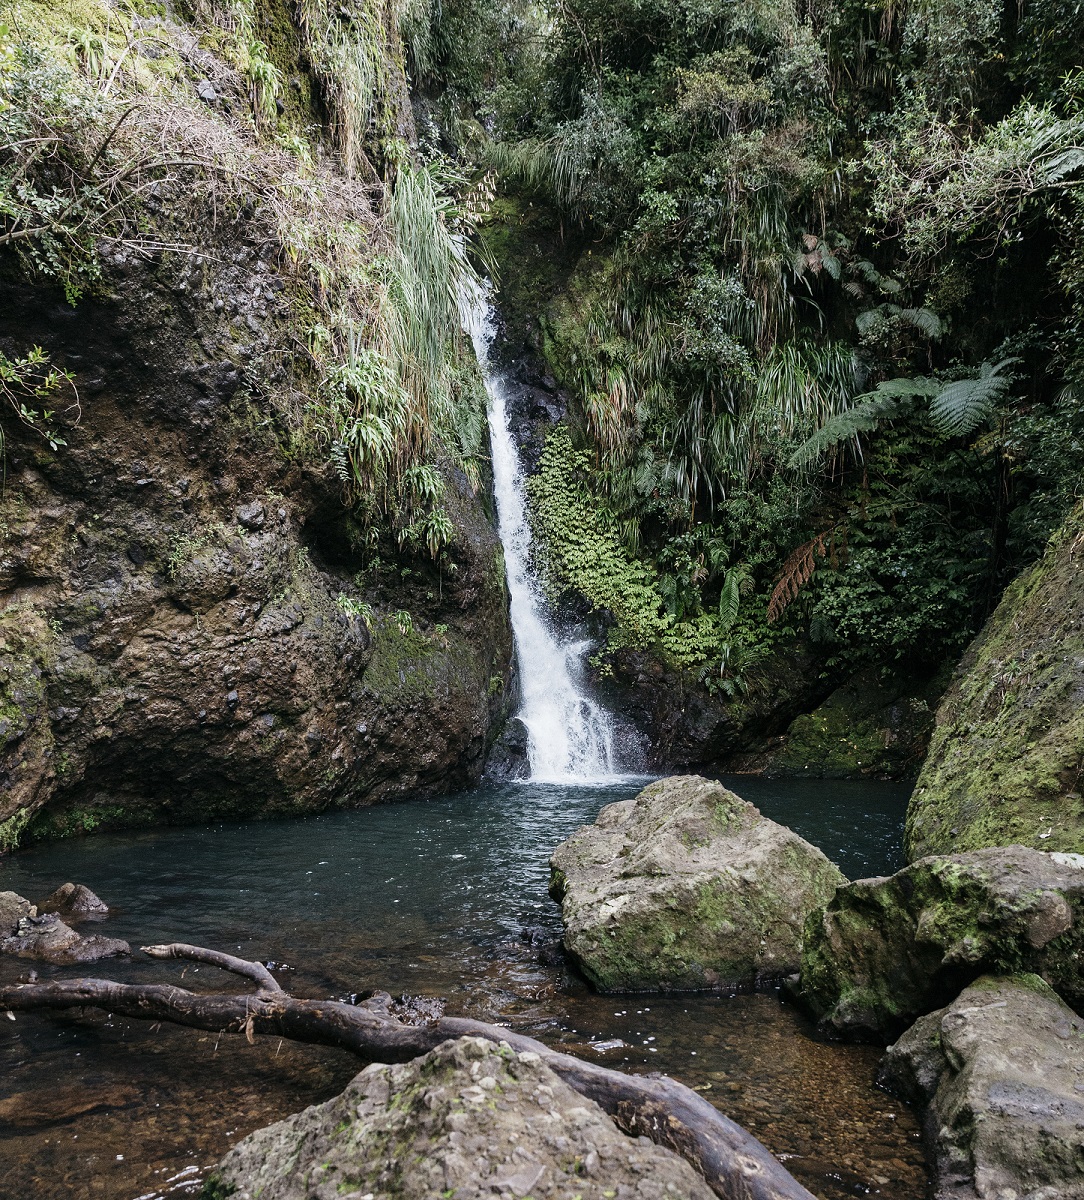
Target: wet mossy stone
(687, 887)
(1001, 1071)
(469, 1119)
(1007, 753)
(888, 950)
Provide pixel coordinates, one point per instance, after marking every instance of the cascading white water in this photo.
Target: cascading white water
(570, 736)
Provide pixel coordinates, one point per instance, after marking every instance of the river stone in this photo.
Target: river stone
(76, 902)
(887, 950)
(48, 939)
(13, 908)
(686, 886)
(469, 1119)
(1002, 1071)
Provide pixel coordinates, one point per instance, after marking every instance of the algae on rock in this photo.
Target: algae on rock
(686, 886)
(1005, 763)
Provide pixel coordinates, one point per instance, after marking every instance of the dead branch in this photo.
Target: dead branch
(734, 1164)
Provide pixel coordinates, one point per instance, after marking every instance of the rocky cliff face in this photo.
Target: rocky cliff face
(1007, 753)
(174, 644)
(193, 620)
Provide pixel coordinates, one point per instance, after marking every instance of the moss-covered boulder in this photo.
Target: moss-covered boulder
(687, 886)
(1007, 753)
(888, 950)
(470, 1120)
(1001, 1070)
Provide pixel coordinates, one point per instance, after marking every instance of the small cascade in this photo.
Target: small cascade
(570, 735)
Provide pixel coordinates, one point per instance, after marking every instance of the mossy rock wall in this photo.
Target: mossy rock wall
(1007, 753)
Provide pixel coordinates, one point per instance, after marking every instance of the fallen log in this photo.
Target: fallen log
(735, 1165)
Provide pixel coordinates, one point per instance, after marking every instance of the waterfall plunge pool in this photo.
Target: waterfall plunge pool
(445, 898)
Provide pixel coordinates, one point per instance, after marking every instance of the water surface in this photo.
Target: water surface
(446, 897)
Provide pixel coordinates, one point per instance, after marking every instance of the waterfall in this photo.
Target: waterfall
(570, 736)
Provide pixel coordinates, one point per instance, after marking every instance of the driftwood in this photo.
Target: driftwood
(734, 1164)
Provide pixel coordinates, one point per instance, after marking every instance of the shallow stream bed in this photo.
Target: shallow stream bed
(443, 898)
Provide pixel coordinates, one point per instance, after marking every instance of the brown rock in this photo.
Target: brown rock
(48, 939)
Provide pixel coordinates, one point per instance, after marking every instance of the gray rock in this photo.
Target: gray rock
(1002, 1071)
(887, 950)
(687, 886)
(13, 908)
(205, 90)
(76, 902)
(252, 515)
(48, 939)
(469, 1119)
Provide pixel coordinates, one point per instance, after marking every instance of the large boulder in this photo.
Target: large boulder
(1002, 1072)
(888, 950)
(1007, 754)
(469, 1119)
(687, 886)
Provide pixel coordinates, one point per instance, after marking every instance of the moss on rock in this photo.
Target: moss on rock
(1007, 753)
(887, 950)
(686, 887)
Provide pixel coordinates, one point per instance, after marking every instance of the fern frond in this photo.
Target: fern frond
(961, 407)
(863, 417)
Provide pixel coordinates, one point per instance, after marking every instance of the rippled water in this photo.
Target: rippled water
(446, 897)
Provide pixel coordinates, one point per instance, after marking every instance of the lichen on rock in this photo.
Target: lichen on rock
(687, 886)
(469, 1119)
(887, 950)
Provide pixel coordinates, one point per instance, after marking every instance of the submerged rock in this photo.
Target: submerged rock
(76, 902)
(687, 886)
(1002, 1071)
(887, 950)
(1007, 753)
(48, 939)
(469, 1119)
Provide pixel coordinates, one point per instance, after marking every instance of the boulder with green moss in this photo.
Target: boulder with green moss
(1001, 1073)
(888, 950)
(1007, 753)
(471, 1120)
(687, 886)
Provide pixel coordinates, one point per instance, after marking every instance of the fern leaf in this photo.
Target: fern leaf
(961, 407)
(729, 599)
(925, 320)
(863, 417)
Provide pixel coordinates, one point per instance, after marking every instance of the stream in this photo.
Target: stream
(440, 898)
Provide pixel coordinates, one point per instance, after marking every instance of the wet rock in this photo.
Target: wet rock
(1002, 1071)
(48, 939)
(13, 909)
(508, 757)
(887, 950)
(470, 1119)
(76, 902)
(687, 886)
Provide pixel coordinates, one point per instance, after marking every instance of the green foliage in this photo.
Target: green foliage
(32, 381)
